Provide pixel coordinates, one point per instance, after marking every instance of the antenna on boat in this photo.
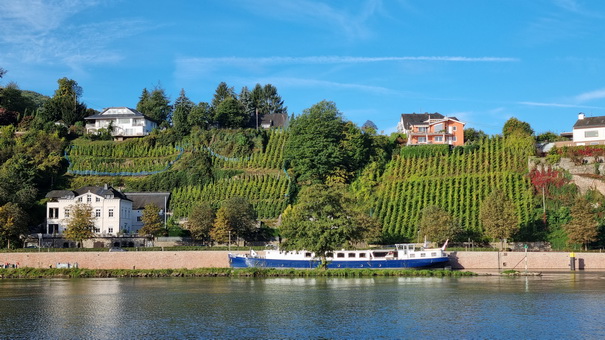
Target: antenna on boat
(445, 244)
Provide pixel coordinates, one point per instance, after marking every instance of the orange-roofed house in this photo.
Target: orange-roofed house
(431, 128)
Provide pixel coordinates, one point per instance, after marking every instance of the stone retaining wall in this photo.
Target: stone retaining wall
(468, 260)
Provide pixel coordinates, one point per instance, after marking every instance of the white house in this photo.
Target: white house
(114, 211)
(589, 130)
(123, 121)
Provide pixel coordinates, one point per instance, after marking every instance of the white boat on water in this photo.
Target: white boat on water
(401, 256)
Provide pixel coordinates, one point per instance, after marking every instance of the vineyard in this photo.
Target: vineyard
(457, 181)
(131, 158)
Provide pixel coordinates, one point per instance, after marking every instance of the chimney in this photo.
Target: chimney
(105, 186)
(581, 115)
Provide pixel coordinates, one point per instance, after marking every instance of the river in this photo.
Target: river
(554, 306)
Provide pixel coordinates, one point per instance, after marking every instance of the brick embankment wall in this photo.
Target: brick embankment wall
(476, 260)
(122, 260)
(469, 260)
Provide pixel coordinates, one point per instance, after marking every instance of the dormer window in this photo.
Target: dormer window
(88, 198)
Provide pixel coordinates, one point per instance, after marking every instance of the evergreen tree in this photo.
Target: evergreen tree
(80, 224)
(180, 117)
(230, 114)
(155, 105)
(64, 104)
(273, 101)
(221, 94)
(245, 99)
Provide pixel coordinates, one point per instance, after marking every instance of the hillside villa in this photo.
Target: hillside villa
(123, 121)
(431, 128)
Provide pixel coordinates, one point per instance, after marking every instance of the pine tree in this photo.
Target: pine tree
(180, 117)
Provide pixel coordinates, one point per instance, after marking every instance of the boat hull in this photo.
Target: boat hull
(238, 261)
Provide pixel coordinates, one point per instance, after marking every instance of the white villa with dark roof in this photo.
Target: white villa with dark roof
(115, 212)
(589, 130)
(124, 122)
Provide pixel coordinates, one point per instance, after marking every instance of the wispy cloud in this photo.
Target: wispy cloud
(336, 60)
(41, 32)
(558, 105)
(592, 95)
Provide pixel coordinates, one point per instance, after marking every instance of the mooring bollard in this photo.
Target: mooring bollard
(572, 261)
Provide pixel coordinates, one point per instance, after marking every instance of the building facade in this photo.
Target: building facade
(114, 212)
(431, 128)
(123, 122)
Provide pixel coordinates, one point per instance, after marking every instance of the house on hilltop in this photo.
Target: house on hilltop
(589, 130)
(115, 212)
(123, 122)
(431, 128)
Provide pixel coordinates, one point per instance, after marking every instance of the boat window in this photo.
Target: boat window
(433, 254)
(307, 254)
(412, 255)
(380, 253)
(352, 254)
(340, 254)
(422, 254)
(362, 254)
(329, 255)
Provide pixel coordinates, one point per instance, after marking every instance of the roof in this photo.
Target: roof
(119, 112)
(141, 199)
(410, 119)
(103, 191)
(274, 120)
(590, 122)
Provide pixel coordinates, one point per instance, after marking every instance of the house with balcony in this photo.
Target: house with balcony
(122, 122)
(114, 212)
(431, 128)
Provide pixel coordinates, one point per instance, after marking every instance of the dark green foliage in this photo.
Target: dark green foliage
(230, 114)
(64, 104)
(182, 110)
(155, 105)
(513, 126)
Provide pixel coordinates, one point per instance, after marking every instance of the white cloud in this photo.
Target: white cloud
(587, 96)
(558, 105)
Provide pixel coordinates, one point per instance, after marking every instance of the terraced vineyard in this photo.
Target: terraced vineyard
(457, 182)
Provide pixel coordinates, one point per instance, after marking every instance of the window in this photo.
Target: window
(97, 212)
(79, 199)
(110, 213)
(306, 254)
(421, 139)
(438, 138)
(422, 129)
(97, 230)
(88, 198)
(123, 120)
(66, 212)
(591, 133)
(422, 254)
(438, 127)
(139, 218)
(412, 255)
(362, 254)
(53, 212)
(97, 199)
(340, 254)
(110, 230)
(351, 254)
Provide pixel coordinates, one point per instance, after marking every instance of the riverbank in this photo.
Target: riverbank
(36, 273)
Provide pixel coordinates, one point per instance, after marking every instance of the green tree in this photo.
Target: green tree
(230, 114)
(583, 227)
(13, 100)
(156, 105)
(200, 221)
(180, 117)
(13, 223)
(221, 94)
(513, 126)
(240, 216)
(472, 135)
(80, 224)
(438, 225)
(64, 104)
(201, 115)
(325, 218)
(152, 221)
(498, 216)
(313, 148)
(267, 100)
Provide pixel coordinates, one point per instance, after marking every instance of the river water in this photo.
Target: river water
(554, 306)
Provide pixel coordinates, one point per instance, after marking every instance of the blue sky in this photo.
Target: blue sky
(541, 61)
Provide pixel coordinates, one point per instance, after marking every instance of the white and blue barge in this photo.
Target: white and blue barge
(401, 256)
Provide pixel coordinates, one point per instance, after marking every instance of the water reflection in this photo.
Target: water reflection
(552, 306)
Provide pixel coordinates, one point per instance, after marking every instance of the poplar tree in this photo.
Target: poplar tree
(180, 117)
